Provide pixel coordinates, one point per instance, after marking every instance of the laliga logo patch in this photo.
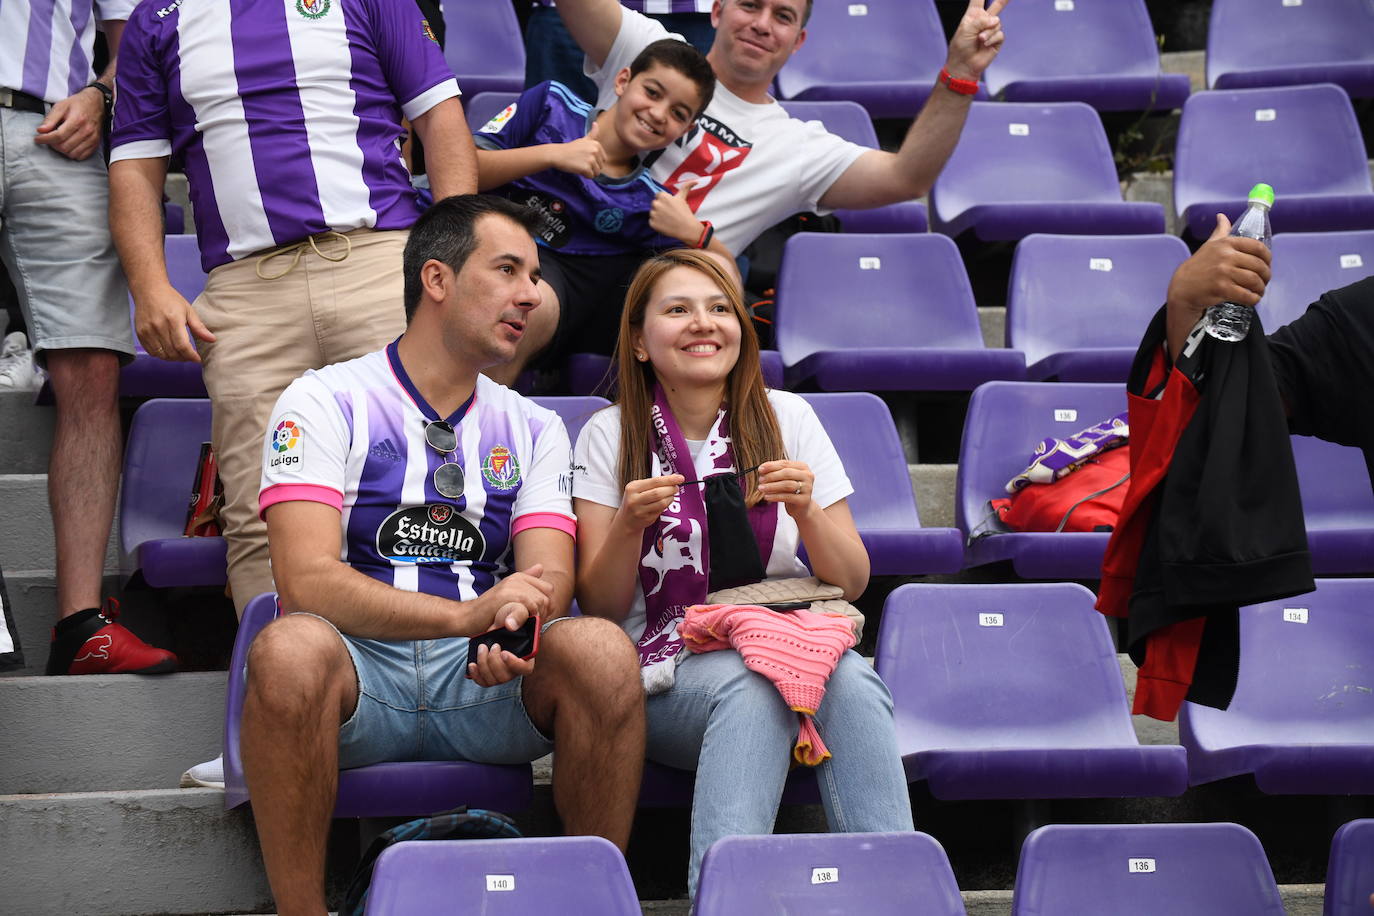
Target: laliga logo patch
(313, 9)
(500, 469)
(499, 121)
(288, 441)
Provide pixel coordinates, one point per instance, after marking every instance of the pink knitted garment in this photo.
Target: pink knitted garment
(796, 650)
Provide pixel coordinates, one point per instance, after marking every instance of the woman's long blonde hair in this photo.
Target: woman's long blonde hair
(754, 431)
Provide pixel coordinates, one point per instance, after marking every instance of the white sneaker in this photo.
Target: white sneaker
(17, 369)
(207, 775)
(15, 343)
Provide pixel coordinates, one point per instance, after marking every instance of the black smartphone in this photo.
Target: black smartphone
(522, 642)
(784, 606)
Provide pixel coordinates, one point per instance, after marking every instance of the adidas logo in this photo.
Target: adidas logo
(385, 449)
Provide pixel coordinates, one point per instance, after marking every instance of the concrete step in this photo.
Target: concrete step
(107, 732)
(27, 442)
(26, 538)
(933, 485)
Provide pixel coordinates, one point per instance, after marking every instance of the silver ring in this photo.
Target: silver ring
(799, 488)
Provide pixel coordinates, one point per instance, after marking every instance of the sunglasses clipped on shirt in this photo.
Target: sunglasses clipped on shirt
(448, 477)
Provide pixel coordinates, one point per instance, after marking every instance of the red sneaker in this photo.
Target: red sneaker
(90, 642)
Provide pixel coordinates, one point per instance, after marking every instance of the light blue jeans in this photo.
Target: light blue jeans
(732, 727)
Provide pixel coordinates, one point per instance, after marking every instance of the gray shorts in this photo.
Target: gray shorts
(55, 242)
(416, 703)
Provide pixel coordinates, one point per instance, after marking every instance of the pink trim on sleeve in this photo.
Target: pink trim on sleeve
(555, 520)
(298, 492)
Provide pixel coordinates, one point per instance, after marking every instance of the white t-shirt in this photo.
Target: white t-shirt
(352, 436)
(596, 473)
(753, 164)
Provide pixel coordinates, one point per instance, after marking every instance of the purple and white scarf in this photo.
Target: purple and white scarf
(674, 569)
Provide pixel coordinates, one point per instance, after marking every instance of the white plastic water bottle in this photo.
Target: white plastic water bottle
(1226, 320)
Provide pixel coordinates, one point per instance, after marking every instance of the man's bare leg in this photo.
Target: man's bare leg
(540, 326)
(83, 471)
(586, 692)
(301, 687)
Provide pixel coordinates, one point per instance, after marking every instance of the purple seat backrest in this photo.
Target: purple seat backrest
(1245, 35)
(1014, 152)
(842, 118)
(1335, 485)
(183, 265)
(1305, 665)
(160, 467)
(484, 106)
(1350, 870)
(483, 46)
(885, 43)
(575, 875)
(1139, 869)
(861, 427)
(1307, 264)
(1303, 140)
(1005, 421)
(877, 874)
(575, 410)
(1074, 291)
(1002, 666)
(856, 290)
(1082, 38)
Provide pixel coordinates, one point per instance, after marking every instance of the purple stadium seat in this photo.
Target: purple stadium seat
(1022, 167)
(482, 107)
(408, 788)
(574, 410)
(591, 373)
(1350, 870)
(1005, 421)
(483, 47)
(1337, 506)
(147, 376)
(1144, 870)
(160, 463)
(885, 56)
(850, 121)
(1307, 264)
(883, 506)
(573, 875)
(1014, 691)
(1302, 720)
(1285, 43)
(1104, 54)
(1303, 140)
(869, 312)
(1078, 304)
(828, 874)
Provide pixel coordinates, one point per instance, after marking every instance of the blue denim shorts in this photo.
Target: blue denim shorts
(415, 702)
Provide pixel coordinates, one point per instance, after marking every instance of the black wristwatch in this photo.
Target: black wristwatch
(106, 91)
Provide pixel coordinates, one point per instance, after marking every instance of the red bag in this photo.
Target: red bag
(1088, 499)
(207, 497)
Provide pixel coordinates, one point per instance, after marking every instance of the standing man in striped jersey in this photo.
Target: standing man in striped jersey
(55, 242)
(287, 117)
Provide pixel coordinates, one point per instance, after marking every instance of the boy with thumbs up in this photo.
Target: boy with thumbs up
(586, 172)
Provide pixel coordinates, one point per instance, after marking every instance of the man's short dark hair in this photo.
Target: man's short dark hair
(685, 59)
(447, 232)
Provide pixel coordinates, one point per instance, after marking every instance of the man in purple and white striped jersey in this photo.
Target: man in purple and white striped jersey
(288, 117)
(56, 244)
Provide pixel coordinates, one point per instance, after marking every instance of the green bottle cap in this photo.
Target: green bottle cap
(1262, 194)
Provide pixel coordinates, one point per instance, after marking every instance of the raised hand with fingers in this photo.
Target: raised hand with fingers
(584, 156)
(645, 501)
(976, 41)
(788, 482)
(672, 216)
(1227, 268)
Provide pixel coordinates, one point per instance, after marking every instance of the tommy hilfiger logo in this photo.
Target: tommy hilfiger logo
(385, 449)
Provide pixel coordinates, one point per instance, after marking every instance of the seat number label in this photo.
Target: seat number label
(1065, 415)
(991, 620)
(500, 882)
(825, 876)
(1063, 6)
(1295, 614)
(870, 263)
(858, 9)
(1140, 866)
(1019, 130)
(1351, 260)
(1265, 114)
(1292, 2)
(1099, 263)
